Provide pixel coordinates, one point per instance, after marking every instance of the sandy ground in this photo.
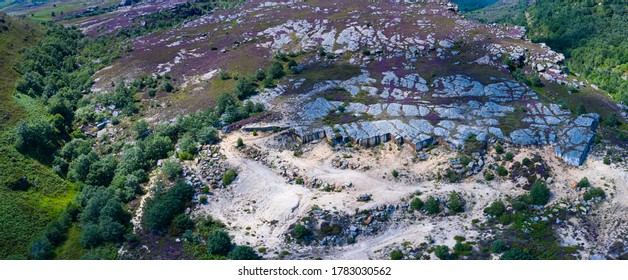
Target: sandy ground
(261, 205)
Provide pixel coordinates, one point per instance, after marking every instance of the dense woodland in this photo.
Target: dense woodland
(591, 34)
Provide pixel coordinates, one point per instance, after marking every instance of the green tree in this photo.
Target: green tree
(517, 254)
(416, 203)
(396, 255)
(496, 209)
(539, 193)
(101, 172)
(207, 135)
(41, 249)
(584, 183)
(432, 205)
(90, 236)
(171, 170)
(502, 171)
(157, 147)
(35, 137)
(141, 129)
(219, 243)
(245, 87)
(442, 252)
(456, 202)
(300, 232)
(276, 71)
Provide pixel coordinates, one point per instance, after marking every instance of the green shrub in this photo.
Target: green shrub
(517, 254)
(41, 249)
(607, 161)
(299, 181)
(539, 193)
(396, 255)
(203, 199)
(228, 177)
(509, 156)
(240, 143)
(416, 203)
(243, 253)
(496, 209)
(489, 176)
(501, 171)
(395, 173)
(442, 252)
(171, 170)
(499, 149)
(593, 193)
(498, 247)
(432, 205)
(218, 243)
(300, 232)
(276, 71)
(584, 183)
(456, 202)
(161, 209)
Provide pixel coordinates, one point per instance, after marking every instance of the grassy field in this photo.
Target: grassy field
(17, 35)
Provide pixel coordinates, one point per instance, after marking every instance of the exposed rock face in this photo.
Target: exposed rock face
(420, 123)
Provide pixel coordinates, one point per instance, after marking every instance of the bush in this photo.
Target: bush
(187, 145)
(584, 183)
(276, 71)
(499, 149)
(41, 249)
(90, 236)
(509, 156)
(456, 202)
(161, 209)
(182, 223)
(228, 177)
(101, 172)
(432, 206)
(416, 203)
(395, 173)
(240, 143)
(498, 247)
(245, 87)
(260, 75)
(243, 253)
(203, 199)
(207, 135)
(593, 193)
(607, 161)
(612, 120)
(218, 243)
(300, 232)
(539, 193)
(35, 137)
(501, 171)
(141, 129)
(396, 255)
(442, 252)
(157, 147)
(496, 209)
(224, 75)
(517, 254)
(489, 176)
(171, 170)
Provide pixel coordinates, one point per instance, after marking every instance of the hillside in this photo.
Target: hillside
(307, 129)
